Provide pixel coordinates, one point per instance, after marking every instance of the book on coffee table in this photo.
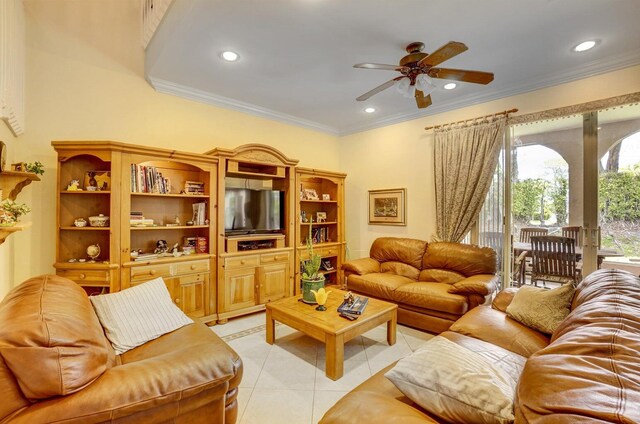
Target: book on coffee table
(357, 307)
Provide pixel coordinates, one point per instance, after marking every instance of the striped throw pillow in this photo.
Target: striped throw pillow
(137, 315)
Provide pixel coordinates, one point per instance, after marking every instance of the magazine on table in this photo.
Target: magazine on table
(356, 307)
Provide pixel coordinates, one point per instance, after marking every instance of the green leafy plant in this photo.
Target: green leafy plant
(312, 265)
(10, 212)
(36, 167)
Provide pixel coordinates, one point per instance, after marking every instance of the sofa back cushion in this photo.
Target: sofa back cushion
(450, 262)
(590, 370)
(50, 337)
(393, 249)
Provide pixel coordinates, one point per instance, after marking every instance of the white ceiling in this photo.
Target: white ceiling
(297, 56)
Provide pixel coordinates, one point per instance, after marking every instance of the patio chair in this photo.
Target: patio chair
(574, 232)
(525, 237)
(554, 260)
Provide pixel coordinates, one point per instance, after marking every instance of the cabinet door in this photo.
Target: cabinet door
(191, 294)
(274, 280)
(239, 288)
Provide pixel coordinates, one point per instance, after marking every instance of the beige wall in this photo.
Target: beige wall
(401, 155)
(85, 82)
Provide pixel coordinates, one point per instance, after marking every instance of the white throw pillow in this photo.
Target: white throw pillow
(137, 315)
(456, 384)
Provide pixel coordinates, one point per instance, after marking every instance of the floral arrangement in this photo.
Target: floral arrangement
(36, 167)
(10, 212)
(312, 265)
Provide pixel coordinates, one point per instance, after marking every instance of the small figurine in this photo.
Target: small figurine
(161, 247)
(349, 298)
(74, 185)
(175, 251)
(177, 220)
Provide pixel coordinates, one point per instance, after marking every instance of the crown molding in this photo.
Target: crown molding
(590, 69)
(519, 87)
(202, 96)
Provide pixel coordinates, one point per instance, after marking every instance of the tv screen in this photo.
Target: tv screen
(253, 211)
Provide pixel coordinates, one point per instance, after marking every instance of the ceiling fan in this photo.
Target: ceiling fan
(417, 69)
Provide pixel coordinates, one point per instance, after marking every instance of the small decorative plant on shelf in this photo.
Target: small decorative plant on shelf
(10, 212)
(312, 279)
(36, 167)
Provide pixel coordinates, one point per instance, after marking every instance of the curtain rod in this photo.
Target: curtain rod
(504, 112)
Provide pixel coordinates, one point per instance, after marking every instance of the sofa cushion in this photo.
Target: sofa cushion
(480, 284)
(377, 285)
(137, 315)
(495, 327)
(394, 249)
(541, 309)
(459, 384)
(440, 276)
(590, 372)
(465, 259)
(50, 337)
(400, 268)
(434, 296)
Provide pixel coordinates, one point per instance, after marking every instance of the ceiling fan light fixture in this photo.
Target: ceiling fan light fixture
(402, 85)
(229, 56)
(450, 86)
(425, 84)
(585, 45)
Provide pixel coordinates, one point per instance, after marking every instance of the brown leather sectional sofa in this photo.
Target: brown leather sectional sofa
(433, 284)
(586, 372)
(57, 366)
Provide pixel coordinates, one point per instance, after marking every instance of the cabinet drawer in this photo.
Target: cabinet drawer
(148, 272)
(81, 276)
(269, 258)
(194, 266)
(241, 262)
(193, 279)
(329, 251)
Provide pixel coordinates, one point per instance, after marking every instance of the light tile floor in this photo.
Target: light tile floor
(285, 382)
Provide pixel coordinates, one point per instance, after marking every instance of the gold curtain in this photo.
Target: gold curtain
(465, 160)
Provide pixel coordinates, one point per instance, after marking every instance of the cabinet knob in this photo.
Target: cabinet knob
(82, 276)
(152, 272)
(242, 262)
(275, 258)
(330, 251)
(193, 267)
(177, 300)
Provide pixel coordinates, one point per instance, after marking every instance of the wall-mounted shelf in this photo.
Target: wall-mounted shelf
(12, 183)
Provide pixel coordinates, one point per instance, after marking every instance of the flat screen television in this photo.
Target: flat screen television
(253, 211)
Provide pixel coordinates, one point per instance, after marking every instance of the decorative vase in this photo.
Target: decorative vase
(307, 286)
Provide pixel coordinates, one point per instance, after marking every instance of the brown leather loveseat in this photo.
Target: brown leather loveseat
(56, 365)
(587, 371)
(433, 284)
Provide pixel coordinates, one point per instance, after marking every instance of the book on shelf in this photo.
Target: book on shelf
(194, 187)
(199, 213)
(357, 307)
(146, 257)
(147, 179)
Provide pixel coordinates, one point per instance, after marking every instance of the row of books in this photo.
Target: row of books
(136, 219)
(194, 187)
(199, 244)
(320, 235)
(147, 179)
(355, 307)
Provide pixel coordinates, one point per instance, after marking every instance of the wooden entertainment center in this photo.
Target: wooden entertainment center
(148, 194)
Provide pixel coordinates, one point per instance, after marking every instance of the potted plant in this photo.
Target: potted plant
(11, 211)
(312, 279)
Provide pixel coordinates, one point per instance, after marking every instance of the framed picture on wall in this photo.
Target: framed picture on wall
(388, 207)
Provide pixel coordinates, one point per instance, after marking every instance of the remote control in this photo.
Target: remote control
(348, 316)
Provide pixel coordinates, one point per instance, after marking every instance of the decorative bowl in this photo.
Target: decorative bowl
(99, 221)
(80, 222)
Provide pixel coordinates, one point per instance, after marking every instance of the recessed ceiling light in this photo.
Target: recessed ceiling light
(585, 45)
(450, 86)
(370, 109)
(230, 56)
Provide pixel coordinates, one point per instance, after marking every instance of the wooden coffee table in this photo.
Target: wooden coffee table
(329, 327)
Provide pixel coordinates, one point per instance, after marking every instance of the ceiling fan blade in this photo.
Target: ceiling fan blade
(476, 77)
(449, 50)
(378, 66)
(421, 100)
(378, 89)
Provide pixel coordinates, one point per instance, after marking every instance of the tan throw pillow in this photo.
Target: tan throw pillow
(458, 384)
(541, 309)
(137, 315)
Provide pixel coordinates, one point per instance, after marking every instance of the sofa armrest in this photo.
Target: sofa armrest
(361, 266)
(503, 299)
(481, 284)
(162, 385)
